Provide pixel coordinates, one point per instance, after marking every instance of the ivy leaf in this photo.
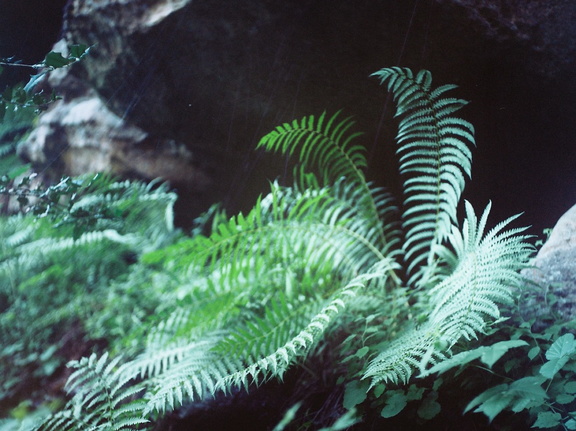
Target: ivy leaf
(429, 407)
(570, 387)
(521, 394)
(564, 398)
(78, 51)
(394, 404)
(56, 60)
(558, 355)
(491, 402)
(355, 393)
(487, 354)
(547, 420)
(533, 352)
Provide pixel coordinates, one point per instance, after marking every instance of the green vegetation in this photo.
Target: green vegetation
(397, 304)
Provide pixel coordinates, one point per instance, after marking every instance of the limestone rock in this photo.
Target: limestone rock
(79, 134)
(554, 272)
(207, 79)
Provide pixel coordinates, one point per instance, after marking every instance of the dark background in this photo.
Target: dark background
(524, 118)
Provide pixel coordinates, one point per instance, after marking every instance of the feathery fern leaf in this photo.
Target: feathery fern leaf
(327, 146)
(484, 270)
(324, 143)
(434, 158)
(100, 400)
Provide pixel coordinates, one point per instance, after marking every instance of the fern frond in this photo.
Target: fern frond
(276, 363)
(282, 319)
(100, 401)
(285, 223)
(435, 158)
(483, 271)
(326, 144)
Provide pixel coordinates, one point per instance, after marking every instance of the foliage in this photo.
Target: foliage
(323, 265)
(544, 388)
(20, 105)
(56, 266)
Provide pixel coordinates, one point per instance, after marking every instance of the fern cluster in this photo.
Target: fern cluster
(264, 291)
(52, 276)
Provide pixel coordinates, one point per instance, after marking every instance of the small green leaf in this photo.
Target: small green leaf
(564, 398)
(78, 50)
(533, 352)
(429, 407)
(487, 354)
(415, 393)
(355, 393)
(362, 352)
(492, 401)
(570, 424)
(394, 404)
(563, 346)
(570, 387)
(494, 352)
(56, 60)
(558, 355)
(547, 420)
(379, 390)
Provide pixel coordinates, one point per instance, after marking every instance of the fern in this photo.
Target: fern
(434, 159)
(484, 268)
(264, 290)
(51, 276)
(328, 145)
(101, 399)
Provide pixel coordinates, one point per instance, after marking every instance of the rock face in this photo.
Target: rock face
(543, 26)
(79, 134)
(555, 273)
(199, 82)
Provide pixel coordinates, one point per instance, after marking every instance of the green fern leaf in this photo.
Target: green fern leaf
(435, 157)
(327, 146)
(485, 269)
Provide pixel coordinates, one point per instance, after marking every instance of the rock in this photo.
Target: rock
(554, 273)
(542, 26)
(207, 80)
(79, 134)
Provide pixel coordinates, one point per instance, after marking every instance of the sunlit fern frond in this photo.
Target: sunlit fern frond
(483, 272)
(246, 352)
(435, 158)
(322, 143)
(286, 222)
(463, 303)
(283, 318)
(274, 364)
(297, 346)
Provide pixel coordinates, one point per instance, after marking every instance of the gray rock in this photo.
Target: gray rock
(79, 135)
(206, 79)
(554, 274)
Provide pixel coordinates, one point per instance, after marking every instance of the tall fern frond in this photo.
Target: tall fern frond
(326, 144)
(435, 158)
(483, 272)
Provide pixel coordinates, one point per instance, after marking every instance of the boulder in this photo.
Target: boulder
(542, 26)
(207, 80)
(79, 135)
(553, 275)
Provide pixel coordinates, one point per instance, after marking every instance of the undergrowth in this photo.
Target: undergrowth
(410, 307)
